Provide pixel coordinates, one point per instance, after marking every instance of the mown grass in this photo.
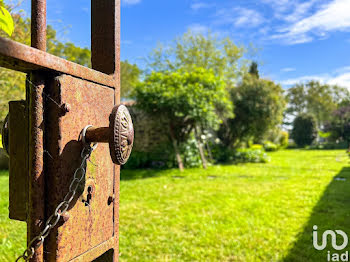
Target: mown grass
(250, 212)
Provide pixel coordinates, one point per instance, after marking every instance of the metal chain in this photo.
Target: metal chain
(62, 207)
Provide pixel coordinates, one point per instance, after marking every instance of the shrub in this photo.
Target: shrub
(330, 145)
(269, 146)
(247, 155)
(304, 130)
(190, 154)
(241, 155)
(163, 157)
(256, 146)
(283, 139)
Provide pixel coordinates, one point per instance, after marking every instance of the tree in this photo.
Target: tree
(339, 125)
(258, 107)
(317, 99)
(192, 50)
(129, 77)
(253, 69)
(184, 101)
(304, 130)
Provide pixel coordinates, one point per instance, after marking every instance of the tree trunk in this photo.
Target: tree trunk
(200, 148)
(176, 149)
(209, 152)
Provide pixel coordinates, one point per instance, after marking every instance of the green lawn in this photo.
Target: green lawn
(250, 212)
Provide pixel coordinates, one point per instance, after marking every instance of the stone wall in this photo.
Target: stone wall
(150, 133)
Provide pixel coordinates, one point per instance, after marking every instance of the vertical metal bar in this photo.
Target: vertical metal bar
(36, 190)
(105, 57)
(105, 29)
(38, 25)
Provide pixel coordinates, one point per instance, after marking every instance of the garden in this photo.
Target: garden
(227, 164)
(244, 212)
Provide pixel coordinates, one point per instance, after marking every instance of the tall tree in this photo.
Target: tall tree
(193, 50)
(183, 100)
(317, 99)
(339, 124)
(253, 69)
(304, 130)
(258, 107)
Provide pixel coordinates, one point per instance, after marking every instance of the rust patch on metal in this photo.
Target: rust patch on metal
(38, 24)
(36, 180)
(23, 58)
(90, 224)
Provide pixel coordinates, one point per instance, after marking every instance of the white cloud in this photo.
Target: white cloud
(279, 5)
(333, 16)
(340, 76)
(131, 2)
(288, 69)
(239, 17)
(299, 11)
(198, 28)
(199, 5)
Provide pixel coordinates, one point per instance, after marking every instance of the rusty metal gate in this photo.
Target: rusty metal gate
(46, 154)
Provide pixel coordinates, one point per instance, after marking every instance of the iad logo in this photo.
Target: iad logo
(333, 235)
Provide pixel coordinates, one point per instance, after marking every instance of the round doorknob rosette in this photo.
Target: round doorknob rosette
(122, 137)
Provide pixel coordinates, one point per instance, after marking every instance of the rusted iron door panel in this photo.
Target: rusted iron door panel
(91, 219)
(18, 150)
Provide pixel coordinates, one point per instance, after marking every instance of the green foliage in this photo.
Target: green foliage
(129, 78)
(283, 139)
(6, 21)
(256, 154)
(164, 157)
(247, 155)
(324, 134)
(253, 69)
(67, 50)
(339, 125)
(190, 154)
(192, 50)
(161, 158)
(1, 146)
(258, 107)
(185, 99)
(270, 146)
(330, 145)
(256, 146)
(304, 130)
(317, 99)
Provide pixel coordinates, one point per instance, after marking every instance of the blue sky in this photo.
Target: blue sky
(297, 40)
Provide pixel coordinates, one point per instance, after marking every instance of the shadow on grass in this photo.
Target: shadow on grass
(332, 212)
(132, 174)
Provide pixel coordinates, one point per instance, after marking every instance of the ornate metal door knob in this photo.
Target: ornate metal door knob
(119, 134)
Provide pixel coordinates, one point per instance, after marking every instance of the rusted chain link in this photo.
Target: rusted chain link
(62, 207)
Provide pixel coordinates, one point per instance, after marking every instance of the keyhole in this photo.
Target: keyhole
(89, 196)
